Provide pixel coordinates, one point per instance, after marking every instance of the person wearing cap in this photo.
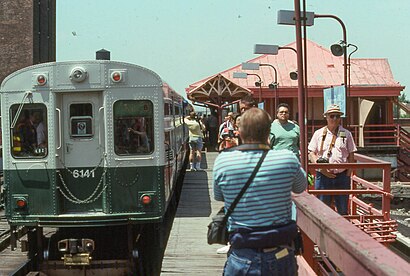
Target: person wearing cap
(333, 144)
(195, 128)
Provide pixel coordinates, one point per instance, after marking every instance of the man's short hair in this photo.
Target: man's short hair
(255, 126)
(282, 105)
(248, 100)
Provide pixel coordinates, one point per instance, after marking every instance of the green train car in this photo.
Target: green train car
(94, 150)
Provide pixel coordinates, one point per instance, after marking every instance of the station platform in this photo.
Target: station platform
(188, 252)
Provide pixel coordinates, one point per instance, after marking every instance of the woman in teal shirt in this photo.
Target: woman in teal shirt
(284, 134)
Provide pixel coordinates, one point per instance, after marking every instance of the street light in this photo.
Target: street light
(273, 85)
(296, 18)
(266, 49)
(244, 75)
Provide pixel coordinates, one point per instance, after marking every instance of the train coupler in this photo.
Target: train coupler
(76, 252)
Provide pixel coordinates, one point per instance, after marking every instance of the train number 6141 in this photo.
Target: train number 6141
(83, 173)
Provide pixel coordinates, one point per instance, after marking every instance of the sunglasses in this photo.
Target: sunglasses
(333, 116)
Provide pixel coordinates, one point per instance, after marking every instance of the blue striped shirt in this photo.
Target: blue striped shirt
(267, 201)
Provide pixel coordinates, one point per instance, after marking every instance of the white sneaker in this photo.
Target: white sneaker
(223, 250)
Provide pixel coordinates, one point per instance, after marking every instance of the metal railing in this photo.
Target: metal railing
(351, 250)
(377, 223)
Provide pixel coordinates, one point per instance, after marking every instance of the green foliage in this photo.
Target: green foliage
(402, 98)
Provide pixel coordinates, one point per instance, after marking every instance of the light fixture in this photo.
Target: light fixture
(287, 17)
(273, 85)
(338, 49)
(116, 76)
(293, 75)
(78, 74)
(264, 49)
(240, 75)
(40, 79)
(258, 83)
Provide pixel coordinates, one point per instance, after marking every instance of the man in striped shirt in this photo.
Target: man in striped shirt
(266, 202)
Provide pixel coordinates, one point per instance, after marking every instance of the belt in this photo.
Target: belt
(279, 251)
(267, 250)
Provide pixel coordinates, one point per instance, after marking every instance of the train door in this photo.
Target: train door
(82, 151)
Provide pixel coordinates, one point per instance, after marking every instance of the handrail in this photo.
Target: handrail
(353, 251)
(359, 208)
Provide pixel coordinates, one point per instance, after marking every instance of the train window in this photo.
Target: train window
(133, 127)
(167, 109)
(81, 115)
(28, 126)
(81, 126)
(82, 109)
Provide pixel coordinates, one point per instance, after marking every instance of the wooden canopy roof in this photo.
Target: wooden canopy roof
(217, 90)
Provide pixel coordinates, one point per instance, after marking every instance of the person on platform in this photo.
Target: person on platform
(333, 144)
(195, 128)
(246, 103)
(226, 133)
(284, 134)
(212, 130)
(267, 201)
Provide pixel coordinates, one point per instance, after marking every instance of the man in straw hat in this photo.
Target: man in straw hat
(333, 144)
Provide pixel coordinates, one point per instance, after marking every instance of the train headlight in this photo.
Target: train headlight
(39, 79)
(116, 76)
(21, 203)
(78, 74)
(146, 199)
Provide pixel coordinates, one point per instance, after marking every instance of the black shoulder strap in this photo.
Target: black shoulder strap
(239, 196)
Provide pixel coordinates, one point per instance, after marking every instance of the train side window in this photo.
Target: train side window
(133, 127)
(28, 126)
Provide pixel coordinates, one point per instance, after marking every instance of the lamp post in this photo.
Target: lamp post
(297, 18)
(244, 75)
(273, 85)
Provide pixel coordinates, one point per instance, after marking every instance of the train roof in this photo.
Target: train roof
(58, 76)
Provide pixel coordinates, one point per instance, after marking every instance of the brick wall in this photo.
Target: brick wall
(16, 35)
(22, 32)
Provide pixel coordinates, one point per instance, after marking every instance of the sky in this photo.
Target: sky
(185, 41)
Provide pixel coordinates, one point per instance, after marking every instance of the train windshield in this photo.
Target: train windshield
(29, 130)
(133, 127)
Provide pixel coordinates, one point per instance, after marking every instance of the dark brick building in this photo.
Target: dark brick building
(27, 33)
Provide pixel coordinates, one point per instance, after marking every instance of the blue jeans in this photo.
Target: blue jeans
(255, 262)
(341, 182)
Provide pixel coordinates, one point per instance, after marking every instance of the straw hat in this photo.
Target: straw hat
(333, 108)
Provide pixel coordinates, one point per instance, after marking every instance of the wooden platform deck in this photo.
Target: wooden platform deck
(188, 252)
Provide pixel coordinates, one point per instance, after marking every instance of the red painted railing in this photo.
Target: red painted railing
(376, 223)
(326, 234)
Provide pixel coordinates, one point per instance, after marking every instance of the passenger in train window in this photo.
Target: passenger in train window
(284, 134)
(138, 136)
(333, 144)
(37, 121)
(265, 206)
(27, 134)
(195, 128)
